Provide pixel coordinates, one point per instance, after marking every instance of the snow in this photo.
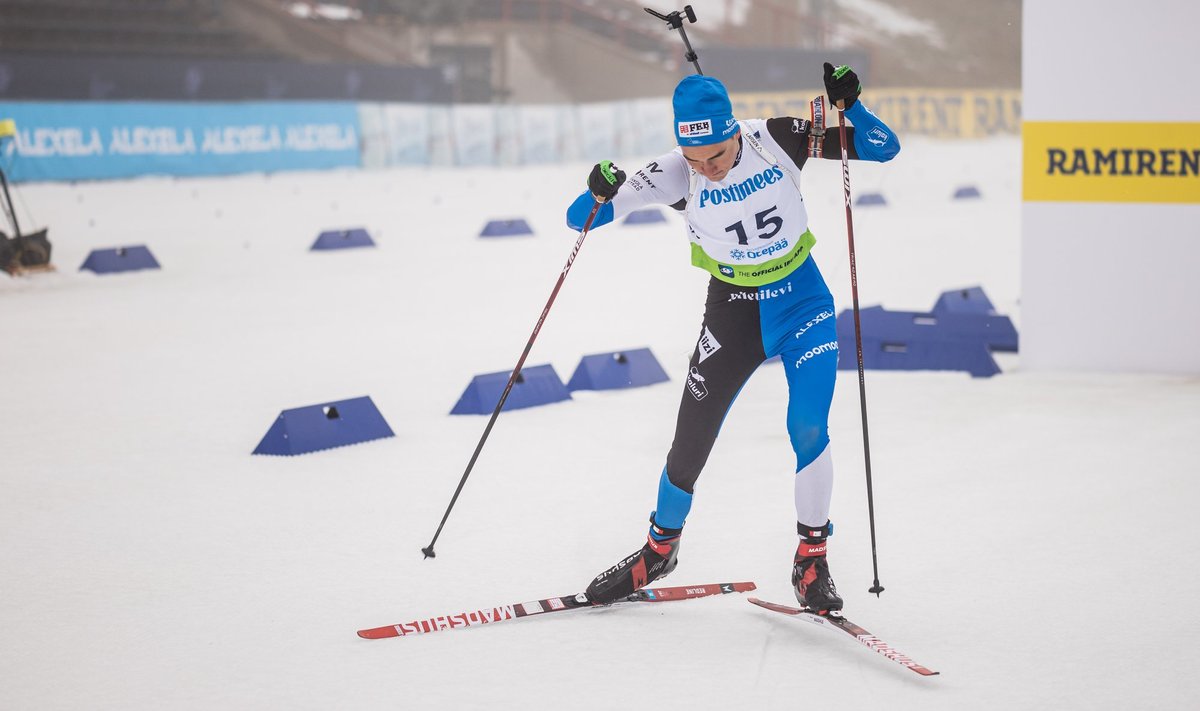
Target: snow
(1034, 529)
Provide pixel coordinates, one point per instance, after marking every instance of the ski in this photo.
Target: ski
(504, 613)
(835, 621)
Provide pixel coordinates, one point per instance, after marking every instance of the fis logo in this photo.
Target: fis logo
(725, 270)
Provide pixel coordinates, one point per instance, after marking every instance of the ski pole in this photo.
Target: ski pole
(674, 21)
(428, 550)
(862, 381)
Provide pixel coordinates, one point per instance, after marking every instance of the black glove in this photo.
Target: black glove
(841, 84)
(604, 181)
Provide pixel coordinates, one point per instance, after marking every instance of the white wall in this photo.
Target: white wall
(1112, 286)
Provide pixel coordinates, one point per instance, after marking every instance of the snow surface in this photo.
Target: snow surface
(1035, 529)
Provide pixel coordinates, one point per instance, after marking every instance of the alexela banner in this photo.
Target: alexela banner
(111, 140)
(89, 140)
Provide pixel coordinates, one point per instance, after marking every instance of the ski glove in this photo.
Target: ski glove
(605, 180)
(841, 84)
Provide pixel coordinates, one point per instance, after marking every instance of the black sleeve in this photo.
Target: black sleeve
(793, 133)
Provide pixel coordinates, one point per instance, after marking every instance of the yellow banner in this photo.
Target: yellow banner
(1111, 162)
(944, 113)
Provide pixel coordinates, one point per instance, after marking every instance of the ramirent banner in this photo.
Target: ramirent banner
(90, 140)
(1104, 161)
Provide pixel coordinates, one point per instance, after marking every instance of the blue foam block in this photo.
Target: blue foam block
(536, 385)
(119, 259)
(868, 199)
(324, 426)
(618, 369)
(644, 216)
(971, 300)
(969, 313)
(343, 239)
(907, 340)
(966, 192)
(994, 331)
(506, 228)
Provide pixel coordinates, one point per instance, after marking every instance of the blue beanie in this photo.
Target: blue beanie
(703, 114)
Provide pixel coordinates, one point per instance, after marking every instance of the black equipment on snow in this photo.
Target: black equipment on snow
(21, 251)
(674, 21)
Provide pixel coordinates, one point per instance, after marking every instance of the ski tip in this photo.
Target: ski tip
(378, 633)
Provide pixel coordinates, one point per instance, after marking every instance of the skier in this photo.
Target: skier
(738, 185)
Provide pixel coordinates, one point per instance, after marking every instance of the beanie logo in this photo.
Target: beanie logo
(693, 129)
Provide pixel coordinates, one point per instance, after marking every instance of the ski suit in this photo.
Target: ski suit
(766, 296)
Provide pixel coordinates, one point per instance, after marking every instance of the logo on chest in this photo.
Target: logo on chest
(740, 191)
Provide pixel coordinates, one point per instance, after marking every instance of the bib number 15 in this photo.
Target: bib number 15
(764, 220)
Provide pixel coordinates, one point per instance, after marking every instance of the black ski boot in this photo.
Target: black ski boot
(655, 560)
(810, 571)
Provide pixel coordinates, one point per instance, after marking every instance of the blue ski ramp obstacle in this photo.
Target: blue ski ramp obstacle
(119, 259)
(971, 300)
(959, 334)
(342, 239)
(506, 228)
(645, 216)
(535, 385)
(325, 426)
(868, 199)
(966, 192)
(619, 369)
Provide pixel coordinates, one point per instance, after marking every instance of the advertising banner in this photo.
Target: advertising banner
(652, 127)
(474, 128)
(407, 128)
(597, 129)
(1094, 161)
(943, 113)
(89, 140)
(539, 134)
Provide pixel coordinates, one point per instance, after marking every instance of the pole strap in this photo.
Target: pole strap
(816, 132)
